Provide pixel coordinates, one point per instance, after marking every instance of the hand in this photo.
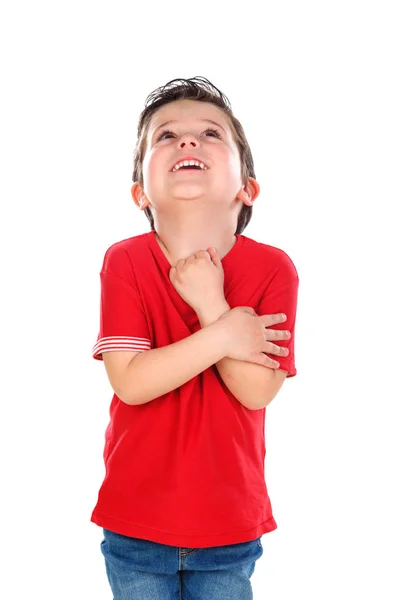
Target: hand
(199, 279)
(248, 335)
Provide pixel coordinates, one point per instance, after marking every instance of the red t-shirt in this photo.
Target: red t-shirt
(187, 468)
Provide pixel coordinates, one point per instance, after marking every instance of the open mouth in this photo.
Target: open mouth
(189, 163)
(189, 169)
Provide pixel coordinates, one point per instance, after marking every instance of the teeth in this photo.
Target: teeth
(186, 163)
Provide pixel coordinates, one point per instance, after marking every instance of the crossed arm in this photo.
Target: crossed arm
(254, 385)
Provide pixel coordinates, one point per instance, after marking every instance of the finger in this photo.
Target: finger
(202, 254)
(266, 361)
(215, 259)
(274, 349)
(247, 309)
(277, 334)
(273, 319)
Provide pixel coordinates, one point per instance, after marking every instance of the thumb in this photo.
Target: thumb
(214, 256)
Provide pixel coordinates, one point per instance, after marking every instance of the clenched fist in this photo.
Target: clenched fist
(199, 279)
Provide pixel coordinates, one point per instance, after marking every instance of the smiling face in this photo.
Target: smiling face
(198, 129)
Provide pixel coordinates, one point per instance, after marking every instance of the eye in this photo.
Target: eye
(167, 132)
(209, 130)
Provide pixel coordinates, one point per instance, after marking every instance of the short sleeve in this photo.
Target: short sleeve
(281, 297)
(123, 324)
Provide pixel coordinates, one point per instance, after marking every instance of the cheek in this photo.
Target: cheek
(150, 167)
(154, 173)
(229, 158)
(233, 167)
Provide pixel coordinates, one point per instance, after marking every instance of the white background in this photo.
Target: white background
(312, 84)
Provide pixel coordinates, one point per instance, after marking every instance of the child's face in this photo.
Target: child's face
(220, 184)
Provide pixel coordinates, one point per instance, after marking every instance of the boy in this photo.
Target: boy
(189, 314)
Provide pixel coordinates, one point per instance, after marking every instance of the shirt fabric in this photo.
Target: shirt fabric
(187, 468)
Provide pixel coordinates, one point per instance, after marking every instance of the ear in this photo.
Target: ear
(249, 192)
(138, 195)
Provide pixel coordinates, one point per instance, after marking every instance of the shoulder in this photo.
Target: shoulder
(119, 254)
(272, 258)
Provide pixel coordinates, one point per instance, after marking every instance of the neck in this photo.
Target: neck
(181, 244)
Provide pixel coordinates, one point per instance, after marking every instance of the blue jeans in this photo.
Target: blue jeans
(143, 570)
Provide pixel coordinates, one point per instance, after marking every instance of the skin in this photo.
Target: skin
(197, 211)
(193, 210)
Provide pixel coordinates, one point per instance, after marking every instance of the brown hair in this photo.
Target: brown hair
(196, 88)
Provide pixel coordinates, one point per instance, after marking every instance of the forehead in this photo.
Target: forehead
(184, 110)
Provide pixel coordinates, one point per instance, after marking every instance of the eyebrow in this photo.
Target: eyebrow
(174, 121)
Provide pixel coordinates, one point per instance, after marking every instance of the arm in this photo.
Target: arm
(155, 372)
(253, 385)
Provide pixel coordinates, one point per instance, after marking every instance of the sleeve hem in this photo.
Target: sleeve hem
(113, 343)
(289, 367)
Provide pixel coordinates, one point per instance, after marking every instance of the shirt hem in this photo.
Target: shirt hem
(182, 540)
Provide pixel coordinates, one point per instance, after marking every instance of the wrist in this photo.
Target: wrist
(210, 314)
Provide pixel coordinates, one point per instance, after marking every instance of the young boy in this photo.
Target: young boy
(189, 314)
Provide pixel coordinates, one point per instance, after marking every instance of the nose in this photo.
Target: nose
(188, 139)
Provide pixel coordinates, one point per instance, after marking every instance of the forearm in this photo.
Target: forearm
(245, 380)
(158, 371)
